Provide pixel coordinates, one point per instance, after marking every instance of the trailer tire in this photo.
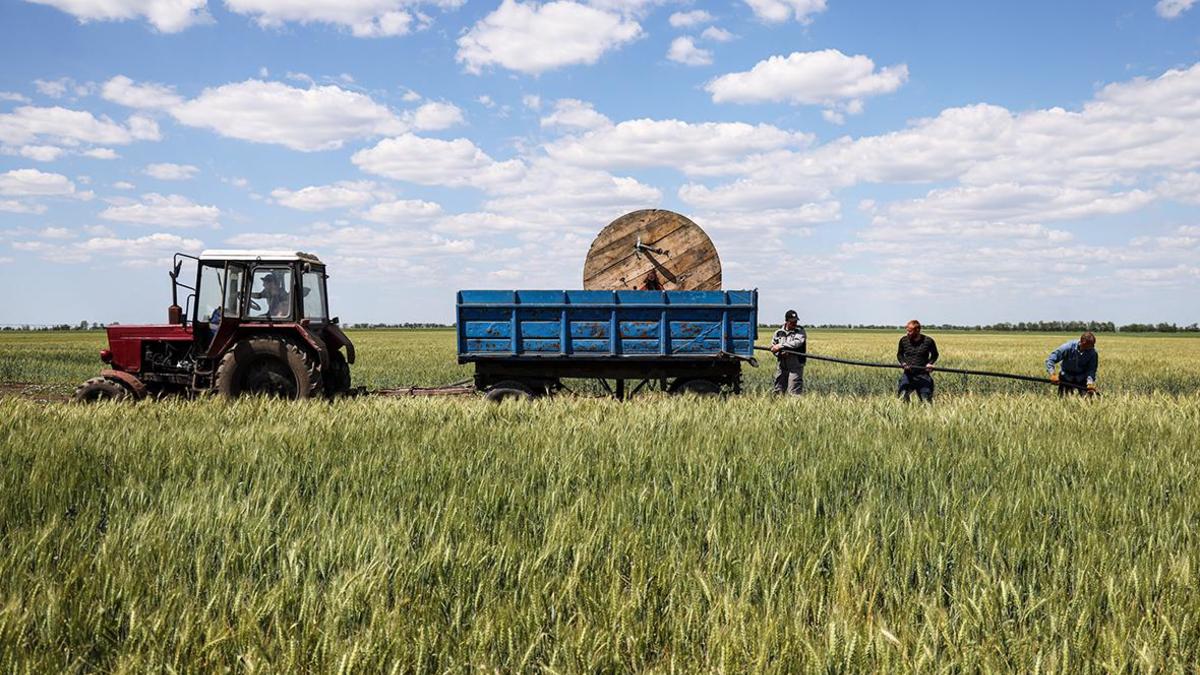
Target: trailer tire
(698, 386)
(508, 390)
(101, 389)
(337, 378)
(268, 366)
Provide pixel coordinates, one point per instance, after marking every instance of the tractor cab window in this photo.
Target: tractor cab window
(270, 293)
(313, 283)
(233, 290)
(208, 302)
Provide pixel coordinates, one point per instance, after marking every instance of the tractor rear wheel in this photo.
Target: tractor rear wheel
(101, 389)
(268, 367)
(337, 377)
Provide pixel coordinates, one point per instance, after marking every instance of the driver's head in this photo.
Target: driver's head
(1087, 341)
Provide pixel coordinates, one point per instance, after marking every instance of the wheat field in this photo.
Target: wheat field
(1001, 529)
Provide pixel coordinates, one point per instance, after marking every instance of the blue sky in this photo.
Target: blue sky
(863, 162)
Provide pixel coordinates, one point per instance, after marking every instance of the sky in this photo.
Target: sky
(861, 162)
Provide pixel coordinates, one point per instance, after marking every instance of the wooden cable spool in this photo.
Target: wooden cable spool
(652, 249)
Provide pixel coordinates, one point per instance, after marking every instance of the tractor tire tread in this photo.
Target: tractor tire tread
(306, 370)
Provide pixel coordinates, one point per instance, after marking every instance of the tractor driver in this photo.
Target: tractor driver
(275, 294)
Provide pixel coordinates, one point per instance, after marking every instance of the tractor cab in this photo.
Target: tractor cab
(254, 322)
(241, 289)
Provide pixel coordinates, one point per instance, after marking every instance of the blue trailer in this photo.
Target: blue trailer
(524, 343)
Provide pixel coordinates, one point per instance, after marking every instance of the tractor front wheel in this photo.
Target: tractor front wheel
(337, 379)
(268, 367)
(101, 389)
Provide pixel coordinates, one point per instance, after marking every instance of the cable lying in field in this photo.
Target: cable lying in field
(936, 369)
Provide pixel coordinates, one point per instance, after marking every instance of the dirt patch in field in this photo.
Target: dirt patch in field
(43, 393)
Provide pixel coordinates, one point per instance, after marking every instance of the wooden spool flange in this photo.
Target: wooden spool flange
(652, 249)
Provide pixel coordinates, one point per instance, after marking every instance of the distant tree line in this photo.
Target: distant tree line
(397, 325)
(1019, 327)
(1039, 327)
(82, 325)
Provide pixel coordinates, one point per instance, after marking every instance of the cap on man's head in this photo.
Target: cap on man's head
(791, 315)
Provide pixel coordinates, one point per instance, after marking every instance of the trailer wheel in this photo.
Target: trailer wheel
(509, 390)
(101, 389)
(270, 367)
(699, 387)
(337, 379)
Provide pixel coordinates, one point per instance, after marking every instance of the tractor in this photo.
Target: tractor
(256, 322)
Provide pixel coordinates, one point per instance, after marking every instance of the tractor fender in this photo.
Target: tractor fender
(136, 387)
(289, 330)
(335, 337)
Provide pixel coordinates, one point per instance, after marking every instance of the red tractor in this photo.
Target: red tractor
(258, 324)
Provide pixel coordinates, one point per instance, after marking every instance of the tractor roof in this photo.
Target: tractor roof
(268, 256)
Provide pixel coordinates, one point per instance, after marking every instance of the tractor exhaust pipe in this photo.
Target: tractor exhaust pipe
(174, 311)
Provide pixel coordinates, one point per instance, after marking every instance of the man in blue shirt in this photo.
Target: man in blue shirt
(1079, 362)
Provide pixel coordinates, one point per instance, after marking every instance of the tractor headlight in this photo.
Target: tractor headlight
(106, 355)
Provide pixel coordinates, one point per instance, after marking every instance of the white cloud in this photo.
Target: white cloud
(434, 116)
(124, 185)
(151, 250)
(14, 206)
(34, 183)
(627, 7)
(709, 148)
(793, 220)
(778, 11)
(402, 211)
(826, 77)
(556, 197)
(696, 17)
(70, 128)
(532, 101)
(574, 114)
(684, 50)
(717, 34)
(431, 161)
(168, 171)
(41, 153)
(1171, 9)
(167, 16)
(485, 101)
(126, 92)
(363, 18)
(51, 88)
(1184, 187)
(13, 96)
(532, 38)
(418, 256)
(55, 233)
(340, 195)
(317, 118)
(1007, 203)
(164, 211)
(101, 153)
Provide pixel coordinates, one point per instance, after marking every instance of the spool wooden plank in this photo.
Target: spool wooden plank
(686, 259)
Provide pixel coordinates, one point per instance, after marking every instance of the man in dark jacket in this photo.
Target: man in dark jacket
(917, 353)
(789, 376)
(1079, 363)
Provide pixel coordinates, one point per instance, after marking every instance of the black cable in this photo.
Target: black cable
(983, 373)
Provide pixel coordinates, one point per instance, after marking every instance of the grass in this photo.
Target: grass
(1002, 529)
(394, 358)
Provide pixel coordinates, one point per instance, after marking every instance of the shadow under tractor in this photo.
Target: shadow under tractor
(257, 322)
